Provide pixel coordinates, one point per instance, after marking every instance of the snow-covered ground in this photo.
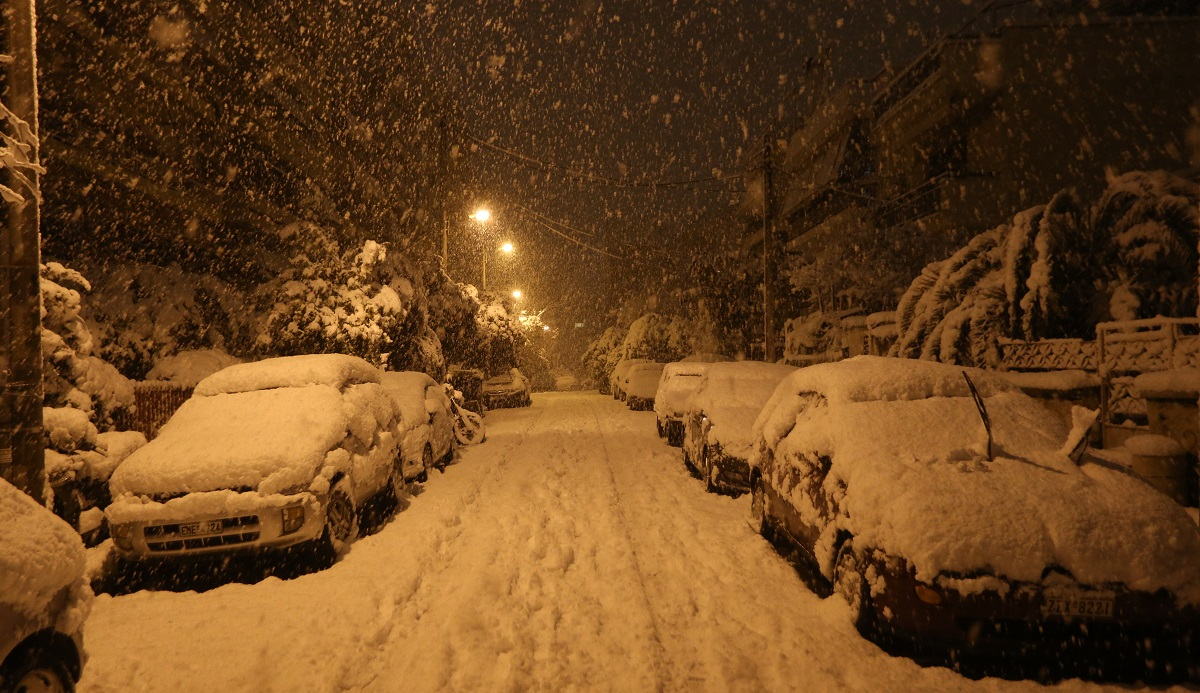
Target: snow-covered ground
(571, 551)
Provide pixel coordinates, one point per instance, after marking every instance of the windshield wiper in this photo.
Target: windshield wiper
(987, 424)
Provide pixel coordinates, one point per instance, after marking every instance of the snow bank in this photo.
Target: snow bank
(1179, 382)
(116, 446)
(678, 382)
(1056, 381)
(237, 440)
(910, 476)
(731, 396)
(188, 368)
(335, 370)
(39, 553)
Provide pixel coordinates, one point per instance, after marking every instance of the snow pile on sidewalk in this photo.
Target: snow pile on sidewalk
(335, 370)
(910, 476)
(39, 553)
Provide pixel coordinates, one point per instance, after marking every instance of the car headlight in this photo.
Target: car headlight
(123, 536)
(293, 518)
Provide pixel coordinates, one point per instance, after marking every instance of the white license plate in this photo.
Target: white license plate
(1087, 605)
(194, 529)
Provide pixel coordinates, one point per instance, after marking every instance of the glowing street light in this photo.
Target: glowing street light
(481, 214)
(545, 328)
(507, 247)
(517, 294)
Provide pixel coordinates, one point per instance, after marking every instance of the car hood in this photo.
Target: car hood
(236, 441)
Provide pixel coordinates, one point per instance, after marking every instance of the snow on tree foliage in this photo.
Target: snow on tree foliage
(661, 338)
(1057, 270)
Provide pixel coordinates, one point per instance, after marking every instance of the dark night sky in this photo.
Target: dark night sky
(640, 90)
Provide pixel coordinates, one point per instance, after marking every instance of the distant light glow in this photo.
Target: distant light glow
(545, 328)
(517, 293)
(507, 247)
(481, 215)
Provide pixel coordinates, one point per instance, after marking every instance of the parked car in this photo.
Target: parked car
(675, 387)
(641, 385)
(44, 597)
(961, 522)
(468, 381)
(720, 413)
(426, 421)
(268, 455)
(618, 376)
(510, 389)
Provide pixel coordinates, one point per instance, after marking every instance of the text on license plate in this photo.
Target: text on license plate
(1078, 604)
(192, 529)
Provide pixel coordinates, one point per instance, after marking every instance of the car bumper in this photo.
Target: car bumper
(212, 523)
(1009, 628)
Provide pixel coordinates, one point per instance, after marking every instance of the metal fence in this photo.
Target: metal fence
(155, 402)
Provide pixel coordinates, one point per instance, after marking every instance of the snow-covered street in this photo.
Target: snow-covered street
(570, 551)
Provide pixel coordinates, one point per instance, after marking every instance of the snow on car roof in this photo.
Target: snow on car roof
(335, 370)
(407, 389)
(731, 396)
(643, 379)
(39, 553)
(676, 385)
(911, 476)
(237, 440)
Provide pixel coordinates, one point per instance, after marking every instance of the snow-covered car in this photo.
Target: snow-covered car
(426, 419)
(675, 387)
(641, 385)
(952, 514)
(265, 455)
(44, 597)
(716, 426)
(510, 389)
(618, 376)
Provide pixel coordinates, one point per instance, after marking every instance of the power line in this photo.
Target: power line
(535, 218)
(603, 180)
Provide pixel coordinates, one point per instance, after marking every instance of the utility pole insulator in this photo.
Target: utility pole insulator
(22, 457)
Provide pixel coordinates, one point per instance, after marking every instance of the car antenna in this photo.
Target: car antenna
(987, 424)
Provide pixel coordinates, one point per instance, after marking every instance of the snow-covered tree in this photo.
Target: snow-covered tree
(597, 356)
(1059, 269)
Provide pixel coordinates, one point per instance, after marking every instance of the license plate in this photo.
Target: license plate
(194, 529)
(1086, 605)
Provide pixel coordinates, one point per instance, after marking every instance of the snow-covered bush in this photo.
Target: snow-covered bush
(142, 313)
(1057, 270)
(596, 357)
(330, 301)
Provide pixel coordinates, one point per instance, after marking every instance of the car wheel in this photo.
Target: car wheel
(710, 470)
(426, 464)
(341, 520)
(850, 584)
(758, 509)
(37, 670)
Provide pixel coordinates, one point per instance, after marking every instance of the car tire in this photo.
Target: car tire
(36, 669)
(708, 469)
(426, 464)
(851, 585)
(661, 433)
(758, 510)
(341, 520)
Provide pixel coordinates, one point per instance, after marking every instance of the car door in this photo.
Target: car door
(800, 480)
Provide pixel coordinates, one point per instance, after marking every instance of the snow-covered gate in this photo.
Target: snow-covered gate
(155, 402)
(1121, 351)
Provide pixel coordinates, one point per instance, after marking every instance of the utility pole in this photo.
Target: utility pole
(443, 174)
(22, 460)
(770, 254)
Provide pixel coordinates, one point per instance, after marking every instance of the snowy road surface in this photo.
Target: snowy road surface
(571, 551)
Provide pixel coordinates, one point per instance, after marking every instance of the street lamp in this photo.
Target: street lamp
(481, 214)
(517, 294)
